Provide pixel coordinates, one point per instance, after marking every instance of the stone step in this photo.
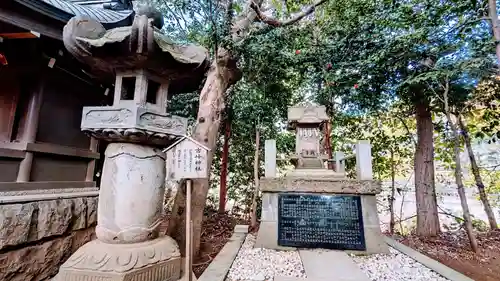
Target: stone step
(315, 173)
(311, 163)
(330, 265)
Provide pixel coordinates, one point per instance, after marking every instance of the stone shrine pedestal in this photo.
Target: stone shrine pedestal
(267, 236)
(313, 207)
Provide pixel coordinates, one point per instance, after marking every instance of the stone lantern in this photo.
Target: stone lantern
(146, 66)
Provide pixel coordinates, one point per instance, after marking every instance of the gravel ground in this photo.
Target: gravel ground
(394, 267)
(263, 264)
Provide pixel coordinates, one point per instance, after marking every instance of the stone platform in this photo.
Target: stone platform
(319, 184)
(40, 228)
(253, 263)
(324, 185)
(268, 231)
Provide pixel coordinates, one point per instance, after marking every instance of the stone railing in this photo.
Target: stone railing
(364, 169)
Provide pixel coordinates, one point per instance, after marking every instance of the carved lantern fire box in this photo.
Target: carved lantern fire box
(139, 112)
(148, 68)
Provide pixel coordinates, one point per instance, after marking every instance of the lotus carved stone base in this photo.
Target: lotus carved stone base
(155, 260)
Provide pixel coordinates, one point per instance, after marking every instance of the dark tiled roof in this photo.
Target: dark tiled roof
(65, 9)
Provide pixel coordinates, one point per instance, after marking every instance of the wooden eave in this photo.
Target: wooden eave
(48, 20)
(17, 15)
(62, 10)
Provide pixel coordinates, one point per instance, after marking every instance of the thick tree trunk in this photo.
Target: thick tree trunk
(224, 163)
(222, 74)
(256, 165)
(477, 176)
(392, 222)
(427, 211)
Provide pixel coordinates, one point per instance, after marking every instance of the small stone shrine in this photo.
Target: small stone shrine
(313, 207)
(148, 69)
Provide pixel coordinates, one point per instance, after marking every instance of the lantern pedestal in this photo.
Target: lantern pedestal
(157, 259)
(129, 214)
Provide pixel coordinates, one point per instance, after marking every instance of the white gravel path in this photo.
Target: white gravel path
(263, 264)
(394, 267)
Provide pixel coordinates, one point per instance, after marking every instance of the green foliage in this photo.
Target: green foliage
(406, 228)
(387, 134)
(479, 225)
(491, 178)
(368, 61)
(185, 105)
(458, 222)
(383, 50)
(482, 111)
(187, 21)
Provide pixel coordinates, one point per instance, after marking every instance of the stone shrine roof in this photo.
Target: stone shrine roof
(110, 13)
(306, 114)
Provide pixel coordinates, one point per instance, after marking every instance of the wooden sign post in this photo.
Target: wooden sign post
(187, 160)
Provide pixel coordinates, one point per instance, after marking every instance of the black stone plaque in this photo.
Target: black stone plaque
(320, 221)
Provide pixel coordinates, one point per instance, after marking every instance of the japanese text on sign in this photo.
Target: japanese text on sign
(189, 160)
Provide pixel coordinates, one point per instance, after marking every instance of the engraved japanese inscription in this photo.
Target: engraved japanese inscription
(320, 221)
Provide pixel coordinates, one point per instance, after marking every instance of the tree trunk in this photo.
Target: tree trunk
(328, 145)
(460, 186)
(222, 74)
(392, 222)
(427, 211)
(223, 172)
(458, 174)
(256, 178)
(477, 176)
(492, 11)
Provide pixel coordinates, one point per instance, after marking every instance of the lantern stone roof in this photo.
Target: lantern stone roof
(110, 13)
(140, 46)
